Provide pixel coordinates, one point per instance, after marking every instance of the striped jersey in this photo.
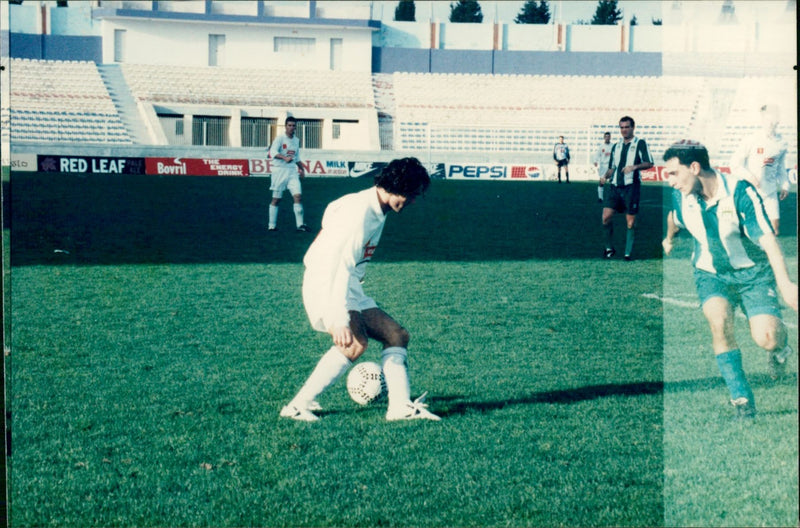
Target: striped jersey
(624, 155)
(720, 225)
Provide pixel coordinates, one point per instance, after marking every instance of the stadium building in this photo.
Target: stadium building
(210, 79)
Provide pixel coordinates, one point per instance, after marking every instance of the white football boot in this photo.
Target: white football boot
(302, 414)
(416, 410)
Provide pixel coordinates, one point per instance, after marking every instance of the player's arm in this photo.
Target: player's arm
(672, 230)
(786, 287)
(645, 161)
(343, 251)
(738, 164)
(783, 176)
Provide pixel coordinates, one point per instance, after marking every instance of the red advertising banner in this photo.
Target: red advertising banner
(197, 167)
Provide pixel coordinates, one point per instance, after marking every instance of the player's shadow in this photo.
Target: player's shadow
(449, 405)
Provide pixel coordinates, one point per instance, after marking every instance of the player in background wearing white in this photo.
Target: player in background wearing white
(286, 173)
(561, 157)
(761, 160)
(628, 157)
(601, 157)
(720, 211)
(335, 300)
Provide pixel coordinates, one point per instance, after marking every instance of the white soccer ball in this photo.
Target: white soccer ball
(365, 382)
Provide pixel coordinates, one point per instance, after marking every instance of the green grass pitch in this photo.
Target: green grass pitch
(157, 329)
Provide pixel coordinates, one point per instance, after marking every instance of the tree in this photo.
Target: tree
(466, 11)
(657, 21)
(533, 13)
(405, 11)
(607, 13)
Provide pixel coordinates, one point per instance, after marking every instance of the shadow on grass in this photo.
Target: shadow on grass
(449, 405)
(104, 219)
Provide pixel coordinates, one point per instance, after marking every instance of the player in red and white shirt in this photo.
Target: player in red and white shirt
(286, 173)
(335, 300)
(601, 158)
(761, 160)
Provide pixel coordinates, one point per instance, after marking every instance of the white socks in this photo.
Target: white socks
(329, 369)
(298, 214)
(273, 216)
(396, 375)
(333, 364)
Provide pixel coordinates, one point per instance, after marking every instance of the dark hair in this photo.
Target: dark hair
(606, 134)
(629, 119)
(687, 152)
(404, 176)
(290, 119)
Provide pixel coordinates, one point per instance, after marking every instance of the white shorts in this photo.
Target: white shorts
(285, 178)
(318, 304)
(771, 206)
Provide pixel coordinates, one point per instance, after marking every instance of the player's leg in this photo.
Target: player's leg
(769, 333)
(632, 209)
(718, 301)
(566, 171)
(331, 366)
(630, 235)
(277, 187)
(608, 224)
(297, 195)
(395, 338)
(760, 303)
(719, 314)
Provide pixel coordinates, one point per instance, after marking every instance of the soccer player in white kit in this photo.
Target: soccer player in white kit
(761, 160)
(601, 158)
(286, 173)
(335, 300)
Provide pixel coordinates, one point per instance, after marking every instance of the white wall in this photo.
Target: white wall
(530, 37)
(466, 36)
(245, 47)
(594, 38)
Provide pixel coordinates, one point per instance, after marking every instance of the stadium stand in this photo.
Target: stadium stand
(743, 118)
(67, 101)
(249, 87)
(62, 101)
(518, 113)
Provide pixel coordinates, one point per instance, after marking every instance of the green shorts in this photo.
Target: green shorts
(751, 288)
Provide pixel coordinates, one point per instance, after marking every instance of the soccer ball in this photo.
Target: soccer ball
(365, 382)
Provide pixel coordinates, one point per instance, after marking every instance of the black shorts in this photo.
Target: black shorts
(562, 163)
(623, 199)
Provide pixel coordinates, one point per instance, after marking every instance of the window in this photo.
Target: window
(310, 133)
(210, 130)
(258, 131)
(336, 130)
